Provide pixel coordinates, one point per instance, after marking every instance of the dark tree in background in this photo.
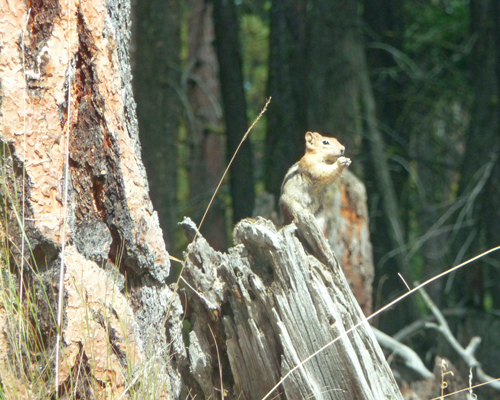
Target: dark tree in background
(234, 103)
(287, 116)
(205, 158)
(157, 72)
(384, 39)
(480, 171)
(384, 36)
(333, 53)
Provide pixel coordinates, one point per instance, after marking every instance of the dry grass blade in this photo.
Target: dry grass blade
(21, 280)
(65, 205)
(264, 109)
(403, 279)
(231, 162)
(466, 389)
(218, 361)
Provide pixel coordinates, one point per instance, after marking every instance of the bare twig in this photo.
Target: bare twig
(410, 329)
(410, 358)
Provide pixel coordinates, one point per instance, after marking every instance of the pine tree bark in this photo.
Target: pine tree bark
(116, 264)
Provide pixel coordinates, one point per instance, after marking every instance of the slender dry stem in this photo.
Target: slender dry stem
(65, 205)
(218, 361)
(466, 389)
(264, 109)
(21, 280)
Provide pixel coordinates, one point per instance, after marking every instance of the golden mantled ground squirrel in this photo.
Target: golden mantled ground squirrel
(303, 187)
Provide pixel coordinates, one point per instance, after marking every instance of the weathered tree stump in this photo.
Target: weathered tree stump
(276, 298)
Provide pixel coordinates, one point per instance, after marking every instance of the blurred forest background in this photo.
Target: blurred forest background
(411, 88)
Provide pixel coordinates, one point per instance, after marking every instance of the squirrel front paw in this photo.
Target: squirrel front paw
(344, 161)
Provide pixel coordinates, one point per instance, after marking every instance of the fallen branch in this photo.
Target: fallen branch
(466, 354)
(410, 359)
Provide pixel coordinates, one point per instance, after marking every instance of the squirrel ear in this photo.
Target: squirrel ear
(309, 138)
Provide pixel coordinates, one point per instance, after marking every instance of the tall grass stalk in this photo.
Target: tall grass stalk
(65, 204)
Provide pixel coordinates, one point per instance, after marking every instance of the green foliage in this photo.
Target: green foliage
(438, 94)
(438, 39)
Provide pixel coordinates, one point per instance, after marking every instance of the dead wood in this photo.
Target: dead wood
(280, 296)
(466, 354)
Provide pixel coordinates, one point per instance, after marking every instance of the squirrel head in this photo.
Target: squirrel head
(326, 149)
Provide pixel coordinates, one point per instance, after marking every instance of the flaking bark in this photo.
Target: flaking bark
(115, 258)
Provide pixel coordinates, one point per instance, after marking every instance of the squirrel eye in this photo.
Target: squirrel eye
(326, 141)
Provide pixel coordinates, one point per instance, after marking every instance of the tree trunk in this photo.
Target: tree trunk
(397, 260)
(157, 76)
(333, 92)
(385, 34)
(120, 322)
(268, 304)
(235, 110)
(287, 114)
(348, 233)
(207, 144)
(480, 170)
(381, 169)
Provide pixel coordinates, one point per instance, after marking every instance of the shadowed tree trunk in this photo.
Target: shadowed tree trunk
(333, 93)
(384, 22)
(480, 172)
(234, 104)
(383, 180)
(492, 231)
(207, 145)
(157, 73)
(287, 114)
(119, 319)
(341, 102)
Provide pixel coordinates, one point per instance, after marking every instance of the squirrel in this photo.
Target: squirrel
(303, 187)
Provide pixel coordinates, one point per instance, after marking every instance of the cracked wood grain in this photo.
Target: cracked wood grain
(281, 296)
